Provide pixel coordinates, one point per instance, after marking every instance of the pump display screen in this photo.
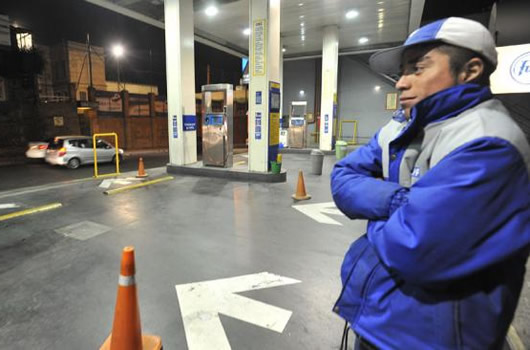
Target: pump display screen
(214, 119)
(275, 100)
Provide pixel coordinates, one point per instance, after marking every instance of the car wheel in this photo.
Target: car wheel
(114, 159)
(73, 163)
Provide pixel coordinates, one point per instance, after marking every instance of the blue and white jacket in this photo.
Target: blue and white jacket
(447, 196)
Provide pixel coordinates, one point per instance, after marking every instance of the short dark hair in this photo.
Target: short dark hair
(459, 56)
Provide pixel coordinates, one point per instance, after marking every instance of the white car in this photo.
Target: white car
(74, 151)
(37, 150)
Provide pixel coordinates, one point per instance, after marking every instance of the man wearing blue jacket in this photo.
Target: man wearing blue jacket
(446, 192)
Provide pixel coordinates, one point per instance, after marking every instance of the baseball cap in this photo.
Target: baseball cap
(455, 31)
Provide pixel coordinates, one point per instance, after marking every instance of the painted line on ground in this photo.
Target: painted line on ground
(30, 211)
(34, 189)
(132, 187)
(9, 206)
(513, 340)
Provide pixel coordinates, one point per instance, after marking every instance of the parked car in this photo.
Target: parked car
(74, 151)
(37, 150)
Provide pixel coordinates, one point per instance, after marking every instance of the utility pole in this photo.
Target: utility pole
(91, 83)
(151, 69)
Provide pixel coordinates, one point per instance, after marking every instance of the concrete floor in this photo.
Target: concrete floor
(58, 292)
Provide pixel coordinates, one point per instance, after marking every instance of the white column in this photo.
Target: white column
(281, 76)
(330, 64)
(264, 55)
(180, 73)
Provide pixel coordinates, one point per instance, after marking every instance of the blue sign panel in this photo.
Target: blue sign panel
(175, 129)
(326, 124)
(257, 130)
(190, 123)
(258, 97)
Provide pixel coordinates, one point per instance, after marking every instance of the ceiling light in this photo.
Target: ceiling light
(302, 24)
(381, 10)
(284, 49)
(301, 16)
(352, 14)
(117, 50)
(246, 31)
(301, 4)
(377, 88)
(363, 40)
(302, 92)
(211, 11)
(380, 3)
(303, 37)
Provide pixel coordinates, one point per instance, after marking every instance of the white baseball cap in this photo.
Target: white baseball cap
(455, 31)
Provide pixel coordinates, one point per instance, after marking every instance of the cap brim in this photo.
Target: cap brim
(387, 61)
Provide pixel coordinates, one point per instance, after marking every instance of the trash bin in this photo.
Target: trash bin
(317, 159)
(276, 167)
(341, 149)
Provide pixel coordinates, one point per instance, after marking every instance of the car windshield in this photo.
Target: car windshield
(56, 144)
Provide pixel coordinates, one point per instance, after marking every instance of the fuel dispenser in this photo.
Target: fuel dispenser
(217, 125)
(296, 137)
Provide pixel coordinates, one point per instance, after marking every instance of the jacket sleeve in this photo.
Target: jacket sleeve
(468, 212)
(355, 186)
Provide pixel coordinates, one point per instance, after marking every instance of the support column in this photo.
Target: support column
(330, 64)
(180, 73)
(264, 49)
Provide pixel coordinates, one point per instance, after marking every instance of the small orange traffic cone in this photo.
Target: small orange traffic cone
(126, 329)
(301, 194)
(141, 170)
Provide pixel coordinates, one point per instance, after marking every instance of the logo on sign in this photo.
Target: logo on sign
(520, 69)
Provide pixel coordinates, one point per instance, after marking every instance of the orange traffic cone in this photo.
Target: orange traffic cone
(141, 170)
(301, 194)
(126, 330)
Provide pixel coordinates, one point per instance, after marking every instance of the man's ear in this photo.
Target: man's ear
(473, 69)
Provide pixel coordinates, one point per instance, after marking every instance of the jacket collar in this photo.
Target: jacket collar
(449, 103)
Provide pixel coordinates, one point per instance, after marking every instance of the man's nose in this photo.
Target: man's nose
(403, 83)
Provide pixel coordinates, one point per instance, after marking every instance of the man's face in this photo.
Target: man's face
(425, 71)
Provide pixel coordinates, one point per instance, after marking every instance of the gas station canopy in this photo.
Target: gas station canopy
(363, 26)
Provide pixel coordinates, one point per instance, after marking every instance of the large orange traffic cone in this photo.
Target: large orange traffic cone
(301, 194)
(126, 329)
(141, 170)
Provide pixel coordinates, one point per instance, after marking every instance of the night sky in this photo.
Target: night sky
(52, 21)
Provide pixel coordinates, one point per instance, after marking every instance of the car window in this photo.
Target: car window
(56, 144)
(103, 144)
(85, 143)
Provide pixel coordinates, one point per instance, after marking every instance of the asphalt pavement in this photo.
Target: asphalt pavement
(37, 172)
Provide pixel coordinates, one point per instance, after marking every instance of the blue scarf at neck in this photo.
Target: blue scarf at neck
(448, 103)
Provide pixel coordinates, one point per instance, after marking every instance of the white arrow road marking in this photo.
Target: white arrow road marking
(106, 183)
(122, 182)
(9, 206)
(202, 302)
(317, 211)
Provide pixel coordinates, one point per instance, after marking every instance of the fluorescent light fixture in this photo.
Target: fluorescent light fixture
(301, 16)
(302, 92)
(246, 31)
(303, 37)
(352, 14)
(284, 49)
(363, 40)
(301, 4)
(377, 88)
(211, 11)
(302, 24)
